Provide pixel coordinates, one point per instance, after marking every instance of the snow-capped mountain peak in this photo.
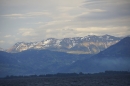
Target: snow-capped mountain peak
(90, 44)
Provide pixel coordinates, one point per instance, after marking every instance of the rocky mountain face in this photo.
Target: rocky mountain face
(90, 44)
(116, 57)
(120, 49)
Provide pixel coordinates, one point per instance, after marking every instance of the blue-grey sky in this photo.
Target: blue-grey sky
(35, 20)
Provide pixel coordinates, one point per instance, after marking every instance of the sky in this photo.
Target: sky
(36, 20)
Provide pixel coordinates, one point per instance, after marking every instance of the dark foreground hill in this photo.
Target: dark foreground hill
(116, 57)
(121, 49)
(35, 62)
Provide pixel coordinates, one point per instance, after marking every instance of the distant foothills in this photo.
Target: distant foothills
(90, 44)
(50, 61)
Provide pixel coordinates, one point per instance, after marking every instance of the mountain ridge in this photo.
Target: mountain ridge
(116, 57)
(90, 44)
(121, 49)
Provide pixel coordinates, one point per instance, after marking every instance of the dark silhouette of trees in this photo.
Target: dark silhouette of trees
(67, 74)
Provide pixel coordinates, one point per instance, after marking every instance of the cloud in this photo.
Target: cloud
(115, 31)
(27, 32)
(27, 15)
(114, 8)
(39, 23)
(7, 36)
(75, 32)
(43, 19)
(1, 41)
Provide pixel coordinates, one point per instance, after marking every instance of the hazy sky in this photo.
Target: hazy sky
(35, 20)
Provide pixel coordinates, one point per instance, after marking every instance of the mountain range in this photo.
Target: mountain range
(90, 44)
(116, 57)
(33, 61)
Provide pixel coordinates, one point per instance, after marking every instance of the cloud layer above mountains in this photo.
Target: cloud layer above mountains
(35, 20)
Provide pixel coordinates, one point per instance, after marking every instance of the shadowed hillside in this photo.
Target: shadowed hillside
(116, 57)
(36, 62)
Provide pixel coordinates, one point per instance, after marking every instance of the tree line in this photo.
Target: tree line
(66, 74)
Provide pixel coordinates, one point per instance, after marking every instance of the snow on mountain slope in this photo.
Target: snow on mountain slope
(1, 49)
(90, 44)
